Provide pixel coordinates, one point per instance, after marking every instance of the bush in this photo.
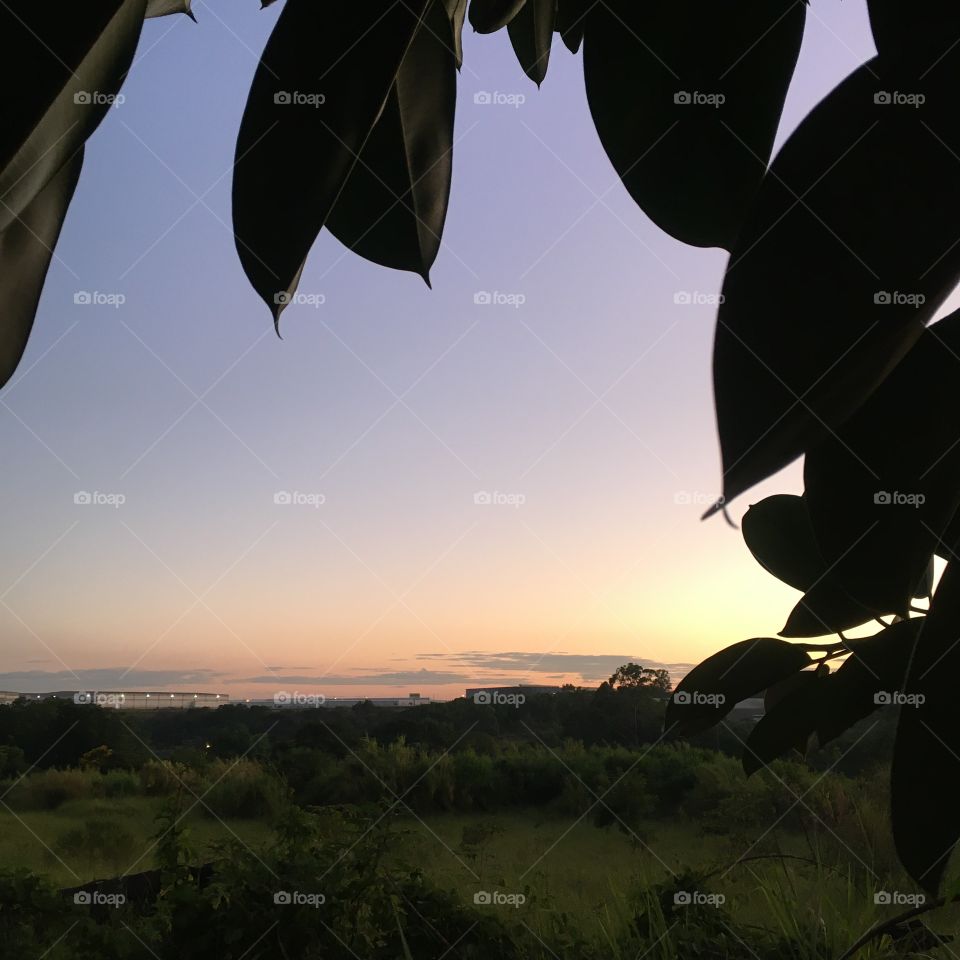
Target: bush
(49, 789)
(119, 783)
(241, 789)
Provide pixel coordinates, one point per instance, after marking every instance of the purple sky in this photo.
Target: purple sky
(585, 412)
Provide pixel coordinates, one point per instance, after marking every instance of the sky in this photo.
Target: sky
(478, 493)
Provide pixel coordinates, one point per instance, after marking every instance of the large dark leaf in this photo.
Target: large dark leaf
(923, 31)
(655, 72)
(571, 21)
(925, 776)
(867, 679)
(715, 686)
(457, 12)
(26, 248)
(882, 488)
(825, 608)
(850, 248)
(60, 72)
(322, 82)
(393, 204)
(780, 536)
(531, 33)
(487, 16)
(787, 723)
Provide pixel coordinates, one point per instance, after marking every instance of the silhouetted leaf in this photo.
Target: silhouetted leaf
(163, 8)
(882, 488)
(321, 84)
(715, 686)
(392, 207)
(848, 251)
(787, 723)
(778, 532)
(62, 67)
(686, 97)
(924, 30)
(487, 16)
(26, 248)
(457, 12)
(925, 775)
(825, 608)
(531, 33)
(571, 20)
(876, 667)
(925, 587)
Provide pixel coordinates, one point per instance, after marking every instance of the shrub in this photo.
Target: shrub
(241, 789)
(49, 789)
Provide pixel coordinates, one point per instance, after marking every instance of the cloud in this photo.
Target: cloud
(591, 667)
(399, 678)
(105, 678)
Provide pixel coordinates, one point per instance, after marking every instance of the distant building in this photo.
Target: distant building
(298, 703)
(6, 696)
(134, 699)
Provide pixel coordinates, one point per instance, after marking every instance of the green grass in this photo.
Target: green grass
(594, 875)
(34, 838)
